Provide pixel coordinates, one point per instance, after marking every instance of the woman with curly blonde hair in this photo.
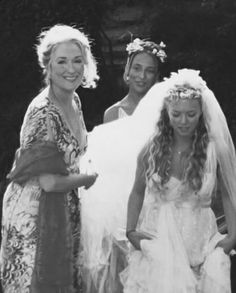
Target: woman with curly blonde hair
(170, 224)
(159, 151)
(158, 172)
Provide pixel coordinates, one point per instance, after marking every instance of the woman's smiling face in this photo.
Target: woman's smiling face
(67, 66)
(143, 73)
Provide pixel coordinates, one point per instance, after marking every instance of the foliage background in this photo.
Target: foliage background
(200, 34)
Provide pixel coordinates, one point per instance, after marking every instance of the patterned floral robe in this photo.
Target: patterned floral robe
(43, 122)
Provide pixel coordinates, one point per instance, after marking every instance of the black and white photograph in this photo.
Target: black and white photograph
(117, 149)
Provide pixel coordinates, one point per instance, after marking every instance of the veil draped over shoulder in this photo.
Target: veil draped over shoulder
(113, 149)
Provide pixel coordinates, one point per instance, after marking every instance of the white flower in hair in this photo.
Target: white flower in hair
(185, 84)
(134, 46)
(162, 44)
(139, 45)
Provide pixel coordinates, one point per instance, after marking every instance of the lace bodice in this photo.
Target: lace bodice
(174, 191)
(190, 216)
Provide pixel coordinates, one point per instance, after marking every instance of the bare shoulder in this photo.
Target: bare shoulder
(40, 100)
(112, 113)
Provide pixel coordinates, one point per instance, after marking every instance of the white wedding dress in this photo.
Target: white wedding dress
(181, 257)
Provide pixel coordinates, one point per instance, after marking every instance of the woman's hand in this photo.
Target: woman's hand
(89, 180)
(61, 183)
(135, 238)
(227, 244)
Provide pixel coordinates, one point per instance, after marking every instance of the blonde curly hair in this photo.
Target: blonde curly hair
(158, 152)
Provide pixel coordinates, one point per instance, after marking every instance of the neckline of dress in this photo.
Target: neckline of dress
(79, 141)
(122, 112)
(175, 178)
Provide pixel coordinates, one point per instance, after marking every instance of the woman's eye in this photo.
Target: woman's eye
(79, 61)
(136, 68)
(191, 115)
(175, 115)
(61, 62)
(152, 71)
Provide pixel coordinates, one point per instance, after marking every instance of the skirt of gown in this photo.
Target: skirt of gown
(181, 257)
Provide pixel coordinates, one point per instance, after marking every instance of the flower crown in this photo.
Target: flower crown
(185, 84)
(183, 92)
(141, 45)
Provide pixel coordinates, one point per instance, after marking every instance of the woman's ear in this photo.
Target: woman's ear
(126, 78)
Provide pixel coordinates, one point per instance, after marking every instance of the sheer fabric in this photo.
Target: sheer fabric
(114, 148)
(181, 257)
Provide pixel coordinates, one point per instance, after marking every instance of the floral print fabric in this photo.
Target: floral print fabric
(43, 122)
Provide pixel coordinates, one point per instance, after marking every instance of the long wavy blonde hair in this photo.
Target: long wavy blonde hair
(158, 153)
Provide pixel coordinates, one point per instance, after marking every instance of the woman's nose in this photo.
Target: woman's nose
(70, 67)
(142, 74)
(183, 119)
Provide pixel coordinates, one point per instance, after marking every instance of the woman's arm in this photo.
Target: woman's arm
(135, 201)
(229, 242)
(62, 183)
(135, 204)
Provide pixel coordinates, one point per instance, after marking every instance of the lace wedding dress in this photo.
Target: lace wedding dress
(181, 257)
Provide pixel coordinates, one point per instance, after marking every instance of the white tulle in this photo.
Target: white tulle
(182, 258)
(104, 205)
(113, 149)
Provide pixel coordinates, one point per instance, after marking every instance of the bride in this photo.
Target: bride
(169, 156)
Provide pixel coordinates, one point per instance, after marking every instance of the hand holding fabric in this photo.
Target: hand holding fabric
(135, 238)
(227, 244)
